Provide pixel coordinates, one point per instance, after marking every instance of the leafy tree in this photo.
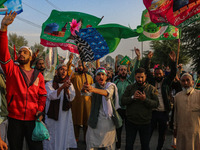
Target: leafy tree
(191, 43)
(18, 41)
(40, 48)
(162, 50)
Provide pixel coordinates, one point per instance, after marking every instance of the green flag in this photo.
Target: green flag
(125, 60)
(152, 31)
(113, 33)
(56, 29)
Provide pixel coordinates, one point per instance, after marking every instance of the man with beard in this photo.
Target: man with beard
(121, 84)
(60, 93)
(139, 98)
(26, 93)
(39, 65)
(81, 104)
(160, 115)
(101, 133)
(187, 115)
(109, 74)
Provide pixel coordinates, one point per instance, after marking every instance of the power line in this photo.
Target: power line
(53, 5)
(35, 9)
(28, 22)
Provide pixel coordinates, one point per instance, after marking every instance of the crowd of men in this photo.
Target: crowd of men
(96, 101)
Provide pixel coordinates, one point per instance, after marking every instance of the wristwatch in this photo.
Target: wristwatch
(132, 97)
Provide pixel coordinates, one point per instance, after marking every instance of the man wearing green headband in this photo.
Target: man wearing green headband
(101, 131)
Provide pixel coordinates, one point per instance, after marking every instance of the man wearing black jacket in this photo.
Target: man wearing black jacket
(160, 115)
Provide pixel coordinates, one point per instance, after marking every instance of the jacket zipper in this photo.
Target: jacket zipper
(10, 100)
(26, 103)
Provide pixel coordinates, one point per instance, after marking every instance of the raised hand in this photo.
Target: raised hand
(172, 56)
(137, 52)
(150, 54)
(7, 20)
(71, 56)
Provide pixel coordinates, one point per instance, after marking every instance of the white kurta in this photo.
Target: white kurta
(187, 120)
(104, 135)
(61, 131)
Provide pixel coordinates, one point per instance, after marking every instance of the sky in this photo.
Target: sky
(127, 13)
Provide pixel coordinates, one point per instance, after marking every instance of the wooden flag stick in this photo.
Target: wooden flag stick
(179, 44)
(84, 72)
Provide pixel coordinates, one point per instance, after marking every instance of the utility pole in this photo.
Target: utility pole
(132, 52)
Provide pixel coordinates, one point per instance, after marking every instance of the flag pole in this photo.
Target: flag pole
(142, 49)
(84, 72)
(179, 44)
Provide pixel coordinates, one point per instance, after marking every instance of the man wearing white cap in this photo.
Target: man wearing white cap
(60, 93)
(26, 93)
(187, 115)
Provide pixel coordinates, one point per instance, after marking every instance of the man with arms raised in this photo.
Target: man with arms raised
(160, 115)
(26, 94)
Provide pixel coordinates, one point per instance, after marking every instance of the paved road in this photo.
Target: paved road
(153, 142)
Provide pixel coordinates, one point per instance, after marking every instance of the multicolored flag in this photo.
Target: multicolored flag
(152, 31)
(125, 60)
(94, 43)
(174, 12)
(56, 29)
(10, 5)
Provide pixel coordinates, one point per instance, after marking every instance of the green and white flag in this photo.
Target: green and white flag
(152, 31)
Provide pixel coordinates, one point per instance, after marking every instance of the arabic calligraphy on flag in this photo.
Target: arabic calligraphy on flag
(174, 12)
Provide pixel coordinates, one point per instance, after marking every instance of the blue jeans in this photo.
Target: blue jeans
(131, 132)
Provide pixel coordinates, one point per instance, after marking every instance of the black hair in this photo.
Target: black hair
(158, 68)
(140, 70)
(38, 60)
(198, 72)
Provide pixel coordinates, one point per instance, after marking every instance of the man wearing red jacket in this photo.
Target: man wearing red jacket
(26, 93)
